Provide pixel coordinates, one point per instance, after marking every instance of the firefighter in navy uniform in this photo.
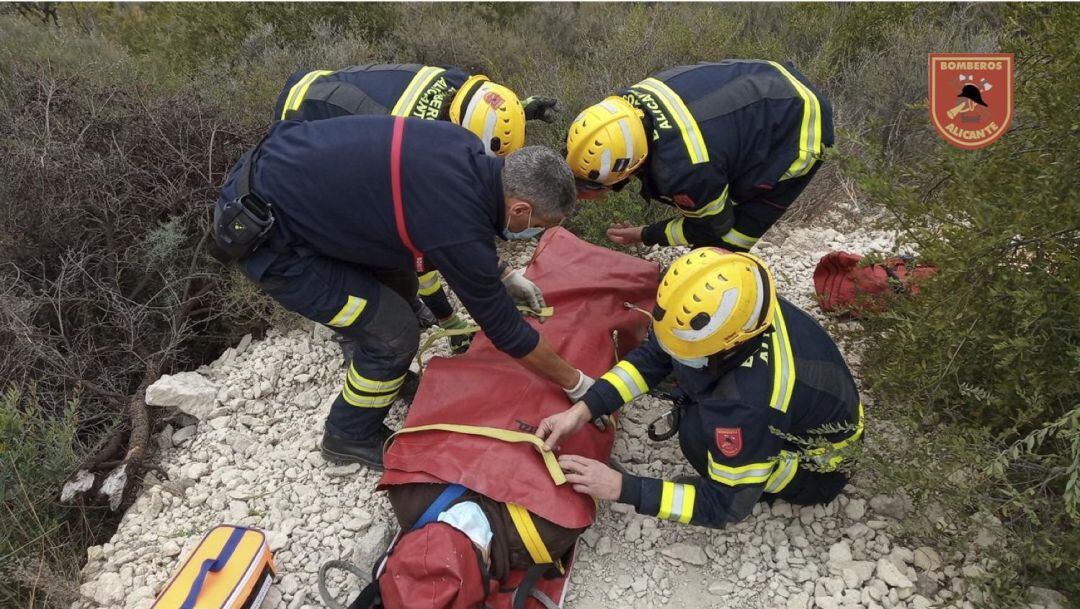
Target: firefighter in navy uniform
(357, 205)
(729, 145)
(770, 409)
(418, 91)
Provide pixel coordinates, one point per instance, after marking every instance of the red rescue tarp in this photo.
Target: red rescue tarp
(587, 286)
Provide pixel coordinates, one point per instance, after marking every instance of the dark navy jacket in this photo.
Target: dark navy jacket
(724, 133)
(403, 89)
(329, 184)
(783, 402)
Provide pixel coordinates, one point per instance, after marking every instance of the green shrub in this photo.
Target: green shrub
(990, 350)
(107, 176)
(38, 450)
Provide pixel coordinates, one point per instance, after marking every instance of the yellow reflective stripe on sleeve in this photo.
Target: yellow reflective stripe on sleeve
(674, 232)
(810, 130)
(299, 90)
(688, 127)
(626, 379)
(619, 385)
(667, 497)
(783, 362)
(529, 534)
(429, 284)
(363, 383)
(550, 462)
(711, 209)
(738, 239)
(677, 502)
(354, 306)
(785, 470)
(419, 84)
(753, 473)
(686, 512)
(639, 385)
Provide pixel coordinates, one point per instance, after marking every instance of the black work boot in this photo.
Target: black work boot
(368, 452)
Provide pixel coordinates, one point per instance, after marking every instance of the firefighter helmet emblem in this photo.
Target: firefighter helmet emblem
(729, 441)
(971, 102)
(494, 100)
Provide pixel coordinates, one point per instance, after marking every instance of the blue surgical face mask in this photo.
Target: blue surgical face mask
(528, 233)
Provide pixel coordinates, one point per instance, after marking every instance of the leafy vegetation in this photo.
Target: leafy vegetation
(988, 356)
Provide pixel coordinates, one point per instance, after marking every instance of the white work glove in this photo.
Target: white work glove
(577, 392)
(523, 291)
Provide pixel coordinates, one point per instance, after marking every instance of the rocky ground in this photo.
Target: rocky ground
(251, 458)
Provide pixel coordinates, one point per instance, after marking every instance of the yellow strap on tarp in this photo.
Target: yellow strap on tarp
(529, 534)
(495, 433)
(531, 312)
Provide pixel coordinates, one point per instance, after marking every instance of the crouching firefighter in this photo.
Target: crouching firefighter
(729, 145)
(334, 218)
(493, 112)
(457, 549)
(770, 409)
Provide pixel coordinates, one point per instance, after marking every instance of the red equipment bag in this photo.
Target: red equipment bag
(844, 287)
(487, 406)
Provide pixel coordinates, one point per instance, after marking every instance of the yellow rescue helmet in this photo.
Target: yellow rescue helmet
(606, 142)
(710, 301)
(491, 111)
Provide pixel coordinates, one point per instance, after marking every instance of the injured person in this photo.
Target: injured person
(487, 518)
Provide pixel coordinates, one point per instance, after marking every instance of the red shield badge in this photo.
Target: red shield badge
(729, 440)
(971, 102)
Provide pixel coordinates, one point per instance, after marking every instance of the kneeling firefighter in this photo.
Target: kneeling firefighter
(491, 111)
(334, 218)
(730, 145)
(457, 549)
(770, 409)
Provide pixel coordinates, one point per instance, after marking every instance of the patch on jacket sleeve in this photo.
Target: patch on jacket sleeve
(729, 441)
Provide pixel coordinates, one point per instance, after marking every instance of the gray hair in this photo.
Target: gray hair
(541, 177)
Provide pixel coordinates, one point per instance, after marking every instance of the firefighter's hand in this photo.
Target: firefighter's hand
(523, 291)
(624, 233)
(591, 477)
(562, 425)
(540, 108)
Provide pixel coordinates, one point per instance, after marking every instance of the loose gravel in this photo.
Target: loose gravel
(252, 459)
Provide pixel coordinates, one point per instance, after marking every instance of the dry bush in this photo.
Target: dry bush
(106, 184)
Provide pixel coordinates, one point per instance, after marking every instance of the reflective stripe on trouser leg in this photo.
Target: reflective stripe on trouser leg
(349, 313)
(364, 392)
(429, 283)
(431, 291)
(387, 338)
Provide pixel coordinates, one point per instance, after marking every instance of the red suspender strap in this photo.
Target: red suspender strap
(395, 187)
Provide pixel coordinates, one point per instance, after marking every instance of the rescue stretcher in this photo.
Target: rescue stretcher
(473, 419)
